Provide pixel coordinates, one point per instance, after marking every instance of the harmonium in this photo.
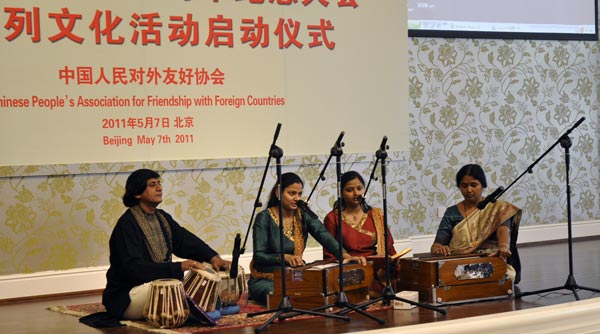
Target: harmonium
(455, 279)
(317, 284)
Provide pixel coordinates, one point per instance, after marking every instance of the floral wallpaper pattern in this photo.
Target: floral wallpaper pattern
(503, 104)
(499, 103)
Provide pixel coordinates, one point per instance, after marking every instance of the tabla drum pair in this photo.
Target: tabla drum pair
(167, 305)
(206, 287)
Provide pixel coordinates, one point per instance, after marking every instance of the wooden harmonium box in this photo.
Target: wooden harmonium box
(317, 284)
(455, 279)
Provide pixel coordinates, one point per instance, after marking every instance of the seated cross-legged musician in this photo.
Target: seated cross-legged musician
(362, 229)
(296, 226)
(466, 229)
(142, 247)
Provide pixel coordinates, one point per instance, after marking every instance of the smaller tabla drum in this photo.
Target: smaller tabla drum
(203, 286)
(233, 290)
(166, 306)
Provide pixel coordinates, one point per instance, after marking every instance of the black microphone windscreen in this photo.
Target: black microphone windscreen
(490, 198)
(338, 142)
(304, 207)
(579, 122)
(363, 204)
(233, 272)
(277, 132)
(383, 143)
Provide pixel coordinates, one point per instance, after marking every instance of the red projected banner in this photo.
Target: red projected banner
(167, 80)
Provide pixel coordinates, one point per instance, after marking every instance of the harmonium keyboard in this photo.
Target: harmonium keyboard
(455, 279)
(317, 284)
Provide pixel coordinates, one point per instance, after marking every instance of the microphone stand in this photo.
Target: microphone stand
(285, 305)
(570, 283)
(322, 175)
(372, 176)
(341, 299)
(237, 251)
(388, 292)
(363, 199)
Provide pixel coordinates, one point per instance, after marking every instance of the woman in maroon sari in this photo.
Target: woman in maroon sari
(362, 229)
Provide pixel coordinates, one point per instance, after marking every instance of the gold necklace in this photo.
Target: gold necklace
(354, 220)
(288, 229)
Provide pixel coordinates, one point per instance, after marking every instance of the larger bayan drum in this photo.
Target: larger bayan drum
(166, 306)
(233, 290)
(203, 286)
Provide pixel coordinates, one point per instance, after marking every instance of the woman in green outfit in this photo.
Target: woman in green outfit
(296, 227)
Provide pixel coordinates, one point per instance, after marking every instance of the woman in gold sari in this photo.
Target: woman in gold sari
(466, 229)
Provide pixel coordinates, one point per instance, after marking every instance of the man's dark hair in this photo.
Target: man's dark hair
(136, 184)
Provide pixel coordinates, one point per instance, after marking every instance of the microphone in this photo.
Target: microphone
(277, 132)
(491, 198)
(363, 204)
(338, 142)
(383, 147)
(304, 206)
(233, 272)
(578, 122)
(574, 126)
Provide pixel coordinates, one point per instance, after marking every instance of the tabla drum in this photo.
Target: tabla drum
(203, 286)
(233, 290)
(166, 306)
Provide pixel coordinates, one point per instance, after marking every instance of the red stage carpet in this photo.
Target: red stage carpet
(226, 322)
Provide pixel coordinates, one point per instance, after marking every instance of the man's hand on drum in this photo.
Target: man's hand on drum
(219, 264)
(293, 261)
(189, 264)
